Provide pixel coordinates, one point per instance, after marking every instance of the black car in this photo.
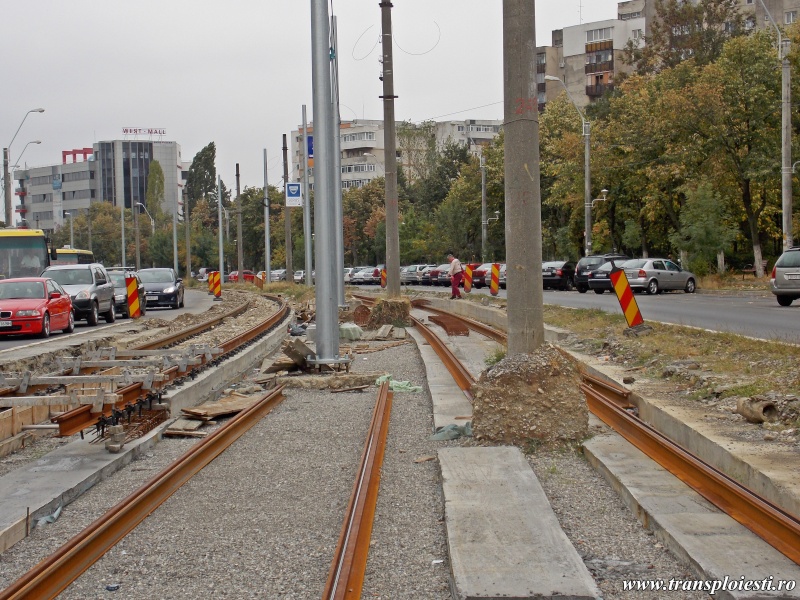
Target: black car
(162, 287)
(118, 277)
(588, 264)
(558, 274)
(89, 287)
(600, 279)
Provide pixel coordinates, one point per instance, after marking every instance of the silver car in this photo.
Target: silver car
(655, 275)
(785, 279)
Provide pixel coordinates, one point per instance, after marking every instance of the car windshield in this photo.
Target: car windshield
(156, 276)
(70, 276)
(21, 289)
(789, 259)
(118, 278)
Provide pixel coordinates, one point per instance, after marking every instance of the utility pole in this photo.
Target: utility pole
(188, 232)
(523, 195)
(287, 215)
(267, 267)
(306, 202)
(219, 231)
(337, 164)
(239, 252)
(390, 153)
(135, 210)
(7, 189)
(484, 222)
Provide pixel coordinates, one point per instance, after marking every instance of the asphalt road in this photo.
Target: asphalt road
(196, 301)
(753, 314)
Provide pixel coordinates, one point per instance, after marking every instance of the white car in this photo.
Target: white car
(278, 275)
(299, 276)
(348, 273)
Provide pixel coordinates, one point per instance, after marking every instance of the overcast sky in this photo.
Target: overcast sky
(238, 72)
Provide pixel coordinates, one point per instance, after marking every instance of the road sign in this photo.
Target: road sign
(293, 196)
(311, 146)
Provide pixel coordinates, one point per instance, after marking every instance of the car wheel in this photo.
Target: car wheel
(599, 291)
(785, 300)
(175, 305)
(45, 333)
(92, 317)
(570, 285)
(652, 287)
(111, 315)
(582, 290)
(71, 324)
(690, 287)
(126, 312)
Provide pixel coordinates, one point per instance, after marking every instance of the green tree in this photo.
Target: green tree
(201, 182)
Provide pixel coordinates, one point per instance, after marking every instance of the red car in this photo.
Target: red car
(34, 305)
(233, 277)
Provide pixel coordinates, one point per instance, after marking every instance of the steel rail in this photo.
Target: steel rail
(485, 330)
(463, 378)
(82, 417)
(773, 524)
(346, 575)
(51, 576)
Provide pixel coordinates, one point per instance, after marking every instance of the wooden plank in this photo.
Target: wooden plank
(182, 424)
(13, 533)
(384, 331)
(358, 388)
(222, 407)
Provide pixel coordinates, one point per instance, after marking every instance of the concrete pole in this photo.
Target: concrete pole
(306, 202)
(122, 224)
(287, 215)
(72, 232)
(9, 219)
(138, 236)
(523, 198)
(175, 235)
(219, 231)
(187, 221)
(337, 167)
(587, 186)
(267, 266)
(484, 222)
(390, 153)
(239, 248)
(786, 154)
(327, 316)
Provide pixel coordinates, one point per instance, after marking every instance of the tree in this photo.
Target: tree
(201, 181)
(683, 30)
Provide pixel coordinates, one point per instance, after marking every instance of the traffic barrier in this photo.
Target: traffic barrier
(134, 309)
(494, 286)
(627, 301)
(468, 279)
(217, 286)
(259, 281)
(210, 283)
(383, 278)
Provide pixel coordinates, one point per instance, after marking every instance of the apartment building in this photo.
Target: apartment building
(113, 171)
(362, 146)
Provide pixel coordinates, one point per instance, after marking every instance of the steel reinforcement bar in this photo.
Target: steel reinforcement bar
(346, 575)
(51, 576)
(777, 527)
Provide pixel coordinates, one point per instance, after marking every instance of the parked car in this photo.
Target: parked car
(784, 281)
(118, 277)
(248, 276)
(600, 279)
(434, 273)
(348, 274)
(444, 276)
(34, 306)
(558, 274)
(502, 280)
(425, 275)
(482, 274)
(656, 274)
(162, 287)
(588, 264)
(278, 275)
(90, 289)
(412, 274)
(299, 276)
(364, 276)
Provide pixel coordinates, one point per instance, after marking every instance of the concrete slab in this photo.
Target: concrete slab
(503, 538)
(710, 541)
(449, 402)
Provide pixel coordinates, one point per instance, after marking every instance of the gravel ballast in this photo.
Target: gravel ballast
(261, 521)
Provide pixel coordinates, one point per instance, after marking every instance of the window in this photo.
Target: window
(599, 35)
(750, 24)
(790, 17)
(750, 1)
(356, 137)
(638, 34)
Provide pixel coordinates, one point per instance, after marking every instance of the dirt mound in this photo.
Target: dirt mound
(529, 400)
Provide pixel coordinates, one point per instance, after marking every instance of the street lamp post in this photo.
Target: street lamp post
(19, 158)
(485, 231)
(71, 229)
(6, 161)
(786, 132)
(587, 174)
(152, 231)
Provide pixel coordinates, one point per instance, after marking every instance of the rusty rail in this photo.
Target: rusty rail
(463, 378)
(346, 575)
(51, 576)
(770, 522)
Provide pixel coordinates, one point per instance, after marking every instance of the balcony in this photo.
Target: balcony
(595, 91)
(20, 192)
(21, 209)
(599, 67)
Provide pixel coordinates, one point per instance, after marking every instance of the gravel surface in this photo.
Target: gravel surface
(261, 521)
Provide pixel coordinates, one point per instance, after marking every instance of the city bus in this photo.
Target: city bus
(73, 256)
(23, 253)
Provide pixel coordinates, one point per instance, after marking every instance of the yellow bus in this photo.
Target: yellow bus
(23, 253)
(72, 256)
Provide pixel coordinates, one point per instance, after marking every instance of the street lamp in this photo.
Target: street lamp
(603, 199)
(152, 230)
(485, 230)
(71, 229)
(19, 158)
(377, 161)
(587, 177)
(6, 161)
(787, 168)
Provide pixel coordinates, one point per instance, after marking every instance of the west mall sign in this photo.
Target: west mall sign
(143, 131)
